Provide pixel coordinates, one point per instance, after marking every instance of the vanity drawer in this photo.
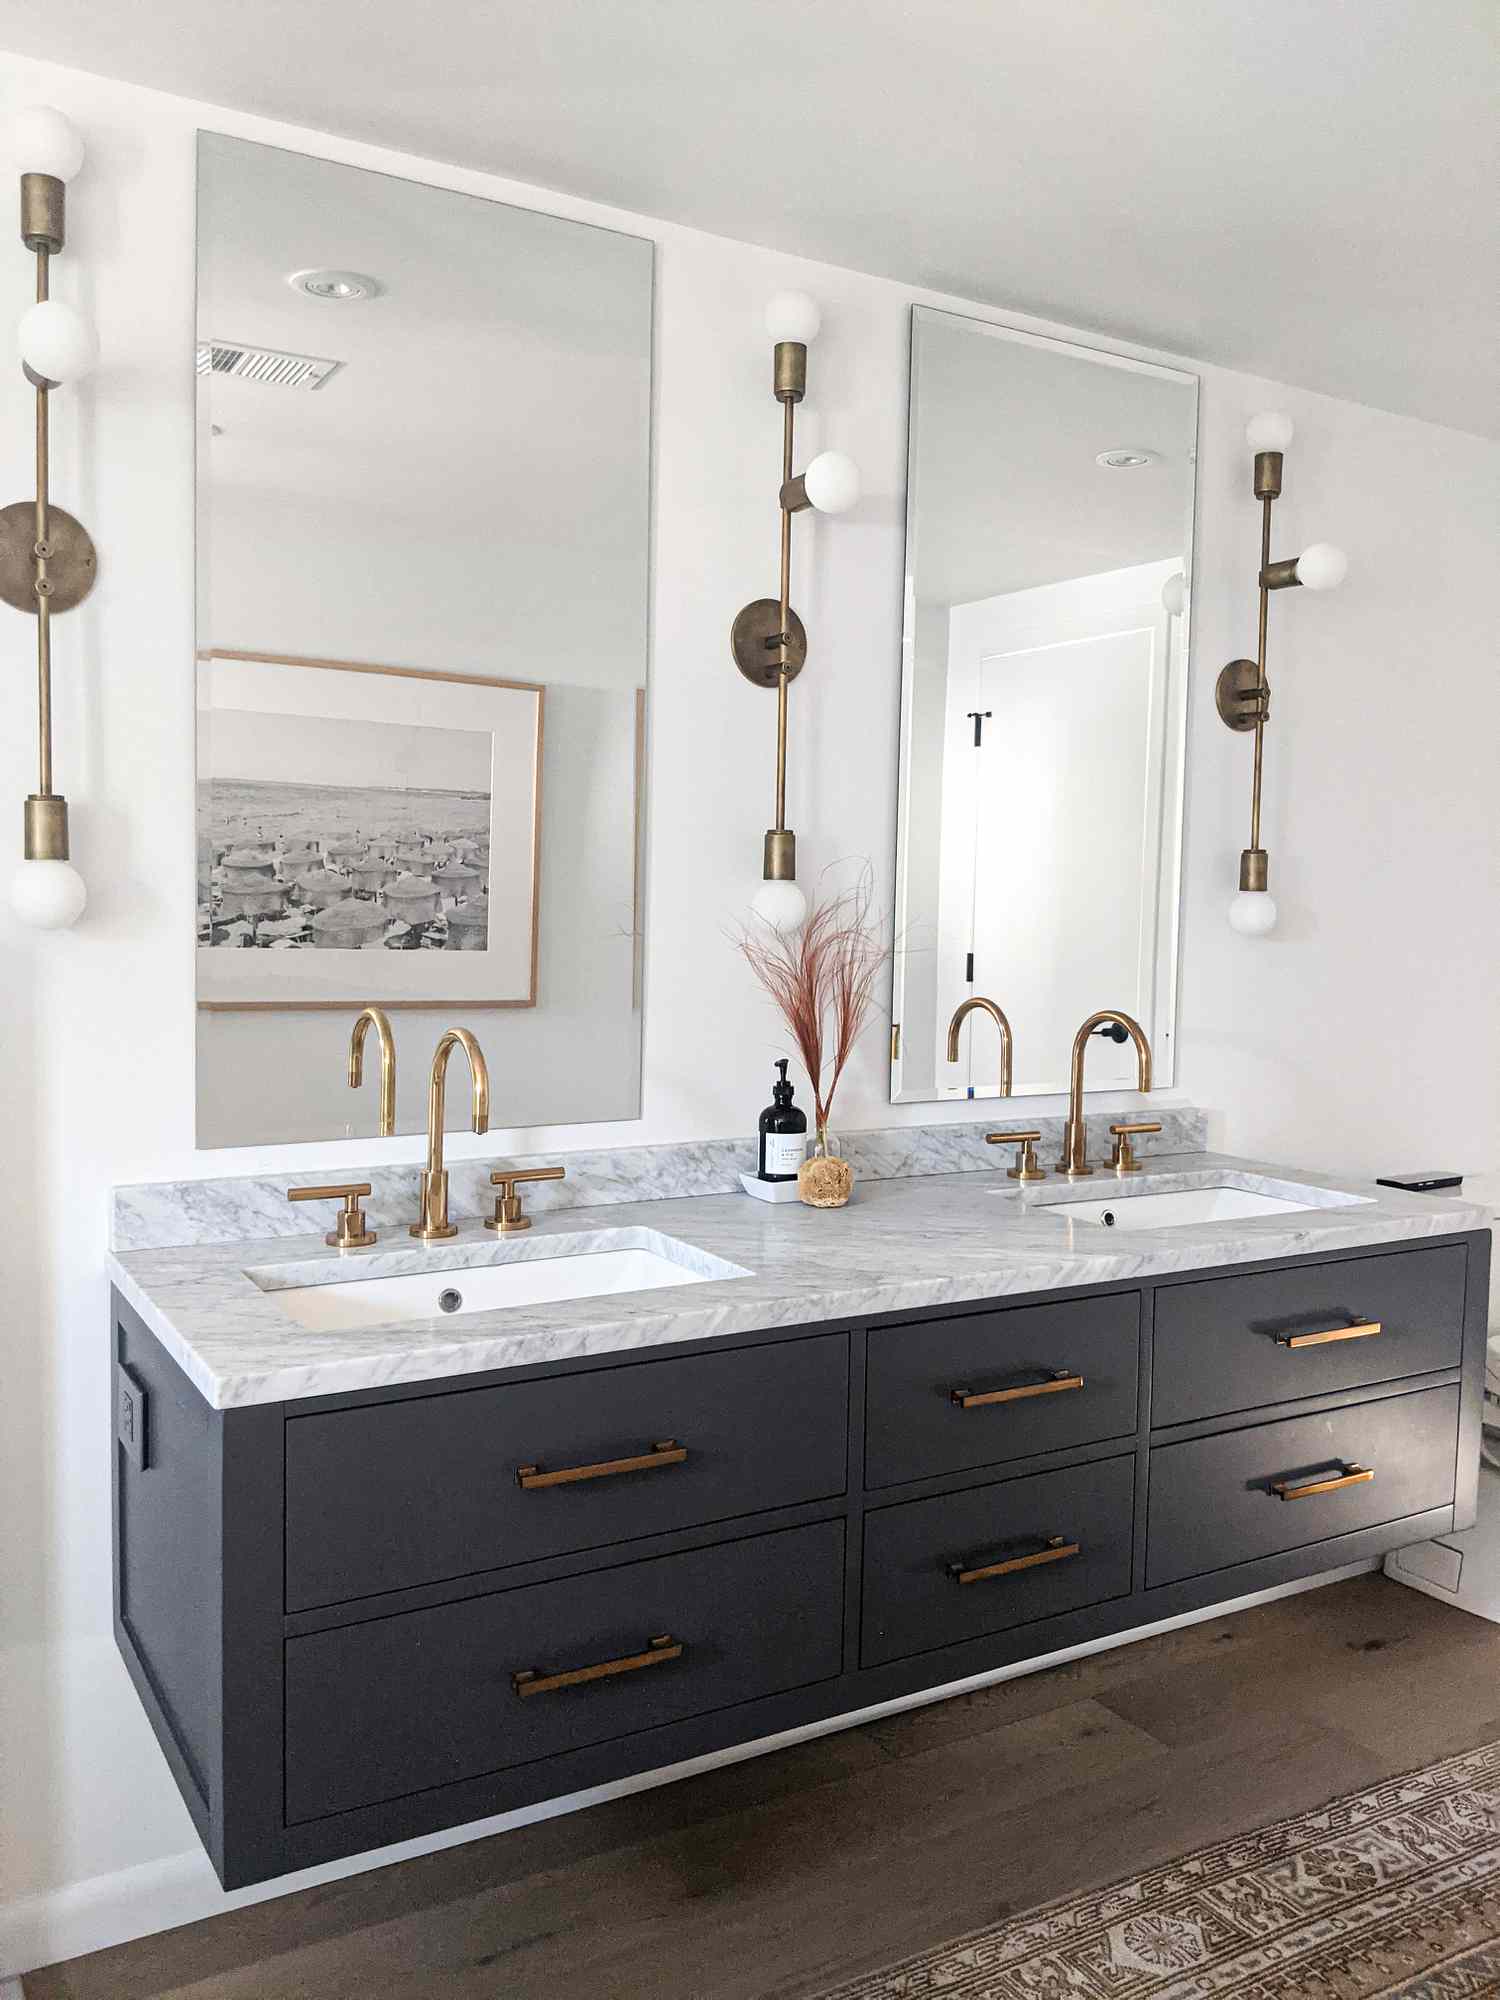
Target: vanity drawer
(940, 1571)
(396, 1705)
(1213, 1501)
(1226, 1344)
(951, 1395)
(427, 1488)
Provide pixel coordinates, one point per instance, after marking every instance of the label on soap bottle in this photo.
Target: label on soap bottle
(785, 1151)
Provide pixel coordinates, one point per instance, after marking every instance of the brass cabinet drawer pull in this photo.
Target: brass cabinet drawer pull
(969, 1399)
(1057, 1550)
(1360, 1330)
(668, 1452)
(1352, 1475)
(528, 1681)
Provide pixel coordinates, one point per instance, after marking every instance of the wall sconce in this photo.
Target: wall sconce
(768, 640)
(47, 561)
(1242, 693)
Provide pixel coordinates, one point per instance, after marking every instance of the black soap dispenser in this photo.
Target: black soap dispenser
(783, 1132)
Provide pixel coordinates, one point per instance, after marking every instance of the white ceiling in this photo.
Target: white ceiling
(501, 372)
(1304, 188)
(481, 452)
(1005, 492)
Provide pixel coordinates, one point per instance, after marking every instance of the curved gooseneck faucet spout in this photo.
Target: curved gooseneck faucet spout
(1007, 1041)
(1075, 1153)
(432, 1222)
(375, 1017)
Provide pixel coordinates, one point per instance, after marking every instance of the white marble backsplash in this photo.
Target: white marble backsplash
(156, 1215)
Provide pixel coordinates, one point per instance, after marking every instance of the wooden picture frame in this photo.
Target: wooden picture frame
(464, 940)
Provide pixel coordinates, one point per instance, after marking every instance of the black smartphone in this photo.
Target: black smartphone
(1431, 1182)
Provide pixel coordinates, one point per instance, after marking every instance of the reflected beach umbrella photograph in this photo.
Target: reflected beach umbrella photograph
(348, 926)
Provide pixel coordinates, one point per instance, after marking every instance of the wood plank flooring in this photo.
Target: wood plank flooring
(775, 1878)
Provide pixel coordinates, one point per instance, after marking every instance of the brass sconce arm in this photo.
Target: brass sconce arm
(47, 561)
(768, 640)
(1243, 693)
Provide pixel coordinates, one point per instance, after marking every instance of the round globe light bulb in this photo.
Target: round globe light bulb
(1270, 431)
(56, 342)
(43, 141)
(793, 316)
(1252, 912)
(1322, 567)
(1174, 595)
(48, 895)
(832, 482)
(781, 905)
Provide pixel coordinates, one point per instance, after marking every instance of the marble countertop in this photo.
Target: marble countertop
(899, 1246)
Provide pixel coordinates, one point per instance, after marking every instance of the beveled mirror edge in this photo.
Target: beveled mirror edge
(1161, 1023)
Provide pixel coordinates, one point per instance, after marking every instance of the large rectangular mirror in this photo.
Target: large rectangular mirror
(423, 524)
(1044, 698)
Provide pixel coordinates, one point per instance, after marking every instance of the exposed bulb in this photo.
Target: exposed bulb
(782, 905)
(1269, 432)
(1322, 567)
(48, 895)
(1252, 912)
(56, 342)
(1174, 595)
(793, 316)
(43, 141)
(832, 482)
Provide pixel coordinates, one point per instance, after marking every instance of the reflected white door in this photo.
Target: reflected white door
(1051, 868)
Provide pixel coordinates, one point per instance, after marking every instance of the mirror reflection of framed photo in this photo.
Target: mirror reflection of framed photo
(365, 833)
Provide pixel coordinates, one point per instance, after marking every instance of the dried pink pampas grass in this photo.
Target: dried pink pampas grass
(822, 979)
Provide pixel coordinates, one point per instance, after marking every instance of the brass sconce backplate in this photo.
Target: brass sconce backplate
(71, 563)
(1242, 701)
(753, 641)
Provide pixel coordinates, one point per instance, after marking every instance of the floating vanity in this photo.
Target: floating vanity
(672, 1476)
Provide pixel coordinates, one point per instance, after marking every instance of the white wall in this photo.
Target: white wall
(1362, 1033)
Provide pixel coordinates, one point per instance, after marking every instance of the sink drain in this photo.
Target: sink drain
(450, 1300)
(1108, 1218)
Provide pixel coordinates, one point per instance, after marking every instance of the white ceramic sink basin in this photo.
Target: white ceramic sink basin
(1172, 1208)
(336, 1304)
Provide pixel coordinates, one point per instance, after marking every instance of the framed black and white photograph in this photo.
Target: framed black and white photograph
(365, 833)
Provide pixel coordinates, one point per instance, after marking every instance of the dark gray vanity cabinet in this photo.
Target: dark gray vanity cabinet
(353, 1619)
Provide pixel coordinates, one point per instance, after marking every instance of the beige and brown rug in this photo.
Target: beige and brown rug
(1388, 1894)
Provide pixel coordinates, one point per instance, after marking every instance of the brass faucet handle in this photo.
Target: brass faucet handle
(1123, 1158)
(509, 1215)
(1026, 1167)
(350, 1232)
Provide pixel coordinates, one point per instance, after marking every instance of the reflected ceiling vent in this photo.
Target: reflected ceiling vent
(264, 364)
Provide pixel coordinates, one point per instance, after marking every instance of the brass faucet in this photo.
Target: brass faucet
(376, 1017)
(1007, 1040)
(432, 1223)
(1075, 1153)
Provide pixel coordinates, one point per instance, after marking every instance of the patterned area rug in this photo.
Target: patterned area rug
(1389, 1894)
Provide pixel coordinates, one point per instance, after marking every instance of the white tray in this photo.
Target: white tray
(769, 1190)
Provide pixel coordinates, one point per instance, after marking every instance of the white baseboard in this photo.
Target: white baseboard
(159, 1895)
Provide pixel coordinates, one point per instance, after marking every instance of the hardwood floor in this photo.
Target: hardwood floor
(775, 1878)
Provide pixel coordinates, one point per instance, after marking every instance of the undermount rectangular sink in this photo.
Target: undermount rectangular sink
(1174, 1208)
(636, 1260)
(1167, 1211)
